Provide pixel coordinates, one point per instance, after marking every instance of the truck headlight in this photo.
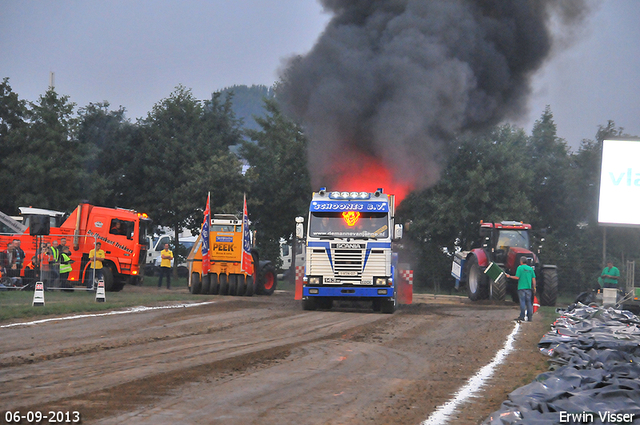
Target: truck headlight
(380, 281)
(315, 280)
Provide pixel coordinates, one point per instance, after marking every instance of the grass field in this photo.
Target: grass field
(18, 304)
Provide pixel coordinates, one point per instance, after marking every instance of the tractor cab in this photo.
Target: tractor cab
(506, 242)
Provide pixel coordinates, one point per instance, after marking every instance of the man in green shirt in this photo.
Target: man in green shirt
(526, 277)
(610, 275)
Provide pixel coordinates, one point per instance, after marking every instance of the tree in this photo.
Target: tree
(550, 165)
(12, 123)
(48, 160)
(487, 178)
(280, 188)
(109, 143)
(184, 141)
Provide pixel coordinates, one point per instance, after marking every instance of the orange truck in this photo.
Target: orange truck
(121, 232)
(226, 277)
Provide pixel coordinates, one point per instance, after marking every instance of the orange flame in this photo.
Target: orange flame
(356, 171)
(351, 217)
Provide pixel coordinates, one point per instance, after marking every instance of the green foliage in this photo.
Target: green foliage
(12, 123)
(185, 144)
(44, 158)
(166, 164)
(279, 181)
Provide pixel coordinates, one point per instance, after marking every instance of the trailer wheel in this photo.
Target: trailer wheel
(250, 286)
(196, 285)
(206, 282)
(224, 284)
(550, 289)
(233, 284)
(241, 288)
(476, 280)
(309, 304)
(214, 285)
(266, 280)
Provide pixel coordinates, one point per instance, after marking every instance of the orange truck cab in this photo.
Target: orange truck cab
(121, 232)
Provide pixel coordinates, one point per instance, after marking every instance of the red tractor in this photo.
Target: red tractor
(504, 244)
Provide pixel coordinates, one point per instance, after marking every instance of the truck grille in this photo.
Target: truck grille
(348, 265)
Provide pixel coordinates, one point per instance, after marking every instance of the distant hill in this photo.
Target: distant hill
(248, 101)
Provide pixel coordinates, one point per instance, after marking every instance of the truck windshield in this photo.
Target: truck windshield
(511, 238)
(349, 224)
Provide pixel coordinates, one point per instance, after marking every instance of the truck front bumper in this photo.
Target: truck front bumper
(348, 291)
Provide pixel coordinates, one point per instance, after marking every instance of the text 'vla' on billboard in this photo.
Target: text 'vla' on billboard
(620, 183)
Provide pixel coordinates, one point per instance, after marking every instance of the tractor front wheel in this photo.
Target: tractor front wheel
(477, 282)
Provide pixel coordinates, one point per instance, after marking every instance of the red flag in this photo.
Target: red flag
(205, 238)
(246, 261)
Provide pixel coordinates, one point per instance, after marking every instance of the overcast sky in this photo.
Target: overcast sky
(134, 53)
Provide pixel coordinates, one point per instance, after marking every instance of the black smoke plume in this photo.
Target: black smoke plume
(399, 79)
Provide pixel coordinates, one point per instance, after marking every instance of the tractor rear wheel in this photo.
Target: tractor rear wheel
(477, 282)
(196, 285)
(266, 280)
(550, 289)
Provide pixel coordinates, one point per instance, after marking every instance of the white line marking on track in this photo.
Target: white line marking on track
(442, 413)
(138, 309)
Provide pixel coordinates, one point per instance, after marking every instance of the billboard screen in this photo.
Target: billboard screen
(620, 183)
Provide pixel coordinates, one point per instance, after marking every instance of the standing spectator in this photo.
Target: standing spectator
(7, 261)
(96, 256)
(31, 272)
(65, 266)
(8, 258)
(526, 277)
(165, 266)
(54, 263)
(610, 275)
(44, 257)
(19, 253)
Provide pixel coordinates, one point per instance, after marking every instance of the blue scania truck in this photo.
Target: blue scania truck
(349, 255)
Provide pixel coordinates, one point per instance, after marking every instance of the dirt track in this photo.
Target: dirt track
(263, 360)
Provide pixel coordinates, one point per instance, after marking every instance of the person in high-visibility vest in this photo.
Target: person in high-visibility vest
(65, 266)
(54, 264)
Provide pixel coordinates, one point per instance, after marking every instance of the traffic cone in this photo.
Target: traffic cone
(38, 295)
(100, 295)
(536, 304)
